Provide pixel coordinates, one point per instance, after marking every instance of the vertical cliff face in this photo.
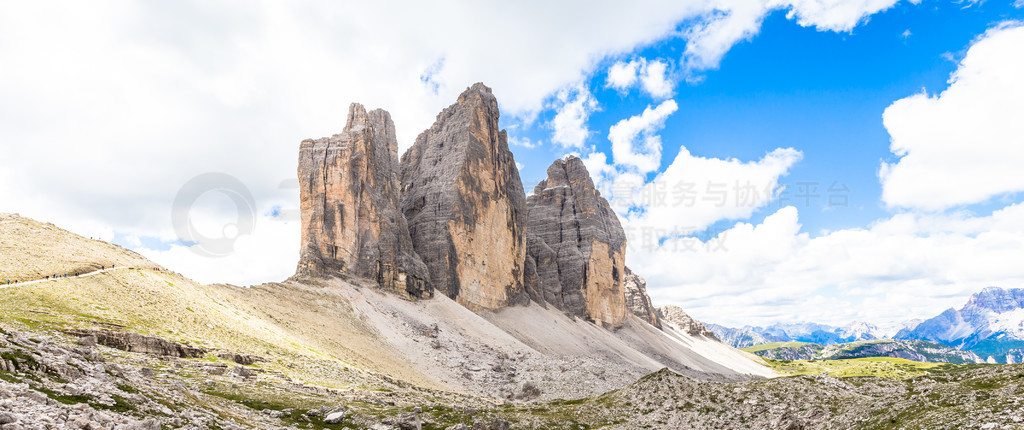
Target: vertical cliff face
(577, 245)
(351, 223)
(465, 204)
(637, 300)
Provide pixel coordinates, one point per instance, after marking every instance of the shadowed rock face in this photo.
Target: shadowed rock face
(465, 204)
(577, 246)
(637, 300)
(349, 196)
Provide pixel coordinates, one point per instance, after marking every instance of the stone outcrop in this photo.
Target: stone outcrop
(465, 204)
(134, 342)
(351, 224)
(576, 245)
(637, 300)
(676, 316)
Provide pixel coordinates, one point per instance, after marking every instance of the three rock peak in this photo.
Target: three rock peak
(451, 217)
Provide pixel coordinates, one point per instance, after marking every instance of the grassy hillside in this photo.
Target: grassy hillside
(776, 345)
(884, 367)
(916, 350)
(30, 250)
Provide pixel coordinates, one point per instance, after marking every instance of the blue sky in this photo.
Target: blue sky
(109, 111)
(791, 86)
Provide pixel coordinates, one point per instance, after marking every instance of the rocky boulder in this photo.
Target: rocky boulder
(577, 245)
(637, 300)
(134, 342)
(349, 196)
(465, 204)
(676, 316)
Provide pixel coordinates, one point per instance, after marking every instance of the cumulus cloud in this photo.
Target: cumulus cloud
(727, 22)
(695, 192)
(257, 257)
(834, 15)
(635, 140)
(652, 76)
(656, 81)
(570, 123)
(691, 194)
(909, 265)
(622, 75)
(965, 145)
(524, 142)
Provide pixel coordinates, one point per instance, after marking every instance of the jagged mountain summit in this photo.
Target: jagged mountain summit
(990, 324)
(349, 192)
(465, 204)
(577, 245)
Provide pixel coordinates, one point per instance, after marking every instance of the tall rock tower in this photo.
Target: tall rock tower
(576, 245)
(351, 224)
(465, 204)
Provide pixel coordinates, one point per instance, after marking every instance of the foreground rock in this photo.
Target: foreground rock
(134, 342)
(577, 245)
(465, 204)
(349, 194)
(637, 300)
(676, 316)
(48, 383)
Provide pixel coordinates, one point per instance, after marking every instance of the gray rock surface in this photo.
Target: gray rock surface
(637, 300)
(676, 315)
(577, 245)
(134, 342)
(465, 204)
(351, 224)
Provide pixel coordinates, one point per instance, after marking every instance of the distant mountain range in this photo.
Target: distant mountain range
(801, 332)
(990, 324)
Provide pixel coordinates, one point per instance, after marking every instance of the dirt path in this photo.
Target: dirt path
(39, 281)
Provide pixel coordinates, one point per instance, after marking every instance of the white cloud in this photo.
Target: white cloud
(524, 142)
(570, 124)
(257, 257)
(965, 145)
(656, 81)
(727, 22)
(691, 194)
(711, 36)
(695, 192)
(635, 142)
(834, 15)
(653, 77)
(622, 75)
(909, 265)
